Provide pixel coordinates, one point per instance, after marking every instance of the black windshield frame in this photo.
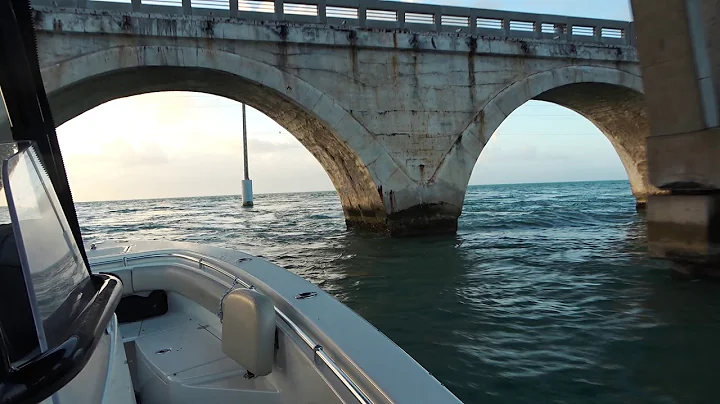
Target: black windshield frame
(27, 105)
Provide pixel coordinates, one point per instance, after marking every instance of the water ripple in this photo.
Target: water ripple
(545, 294)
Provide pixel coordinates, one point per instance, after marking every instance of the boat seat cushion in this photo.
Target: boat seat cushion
(248, 330)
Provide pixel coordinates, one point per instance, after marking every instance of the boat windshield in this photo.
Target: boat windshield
(57, 280)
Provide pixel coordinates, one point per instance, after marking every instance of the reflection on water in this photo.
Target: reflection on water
(545, 294)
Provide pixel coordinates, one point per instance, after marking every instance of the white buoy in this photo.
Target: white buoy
(247, 195)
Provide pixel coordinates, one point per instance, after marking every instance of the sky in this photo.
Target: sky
(176, 144)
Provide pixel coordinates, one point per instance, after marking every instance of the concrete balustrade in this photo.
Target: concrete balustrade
(382, 15)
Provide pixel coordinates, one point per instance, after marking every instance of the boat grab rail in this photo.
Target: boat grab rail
(318, 350)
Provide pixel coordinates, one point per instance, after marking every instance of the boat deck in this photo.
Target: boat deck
(177, 358)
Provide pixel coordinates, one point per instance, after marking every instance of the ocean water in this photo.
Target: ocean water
(546, 294)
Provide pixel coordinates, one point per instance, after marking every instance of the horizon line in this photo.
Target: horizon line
(331, 190)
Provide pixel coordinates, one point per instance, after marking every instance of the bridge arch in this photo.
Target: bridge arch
(347, 151)
(612, 99)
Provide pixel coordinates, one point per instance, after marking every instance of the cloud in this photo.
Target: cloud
(495, 152)
(133, 168)
(257, 146)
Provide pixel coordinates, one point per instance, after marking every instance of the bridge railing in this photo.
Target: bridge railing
(383, 15)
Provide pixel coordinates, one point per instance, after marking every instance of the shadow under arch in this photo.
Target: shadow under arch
(612, 99)
(343, 147)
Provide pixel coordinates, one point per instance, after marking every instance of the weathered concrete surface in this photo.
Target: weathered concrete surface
(678, 43)
(686, 161)
(397, 119)
(686, 229)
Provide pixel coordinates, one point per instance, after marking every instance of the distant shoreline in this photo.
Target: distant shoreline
(326, 191)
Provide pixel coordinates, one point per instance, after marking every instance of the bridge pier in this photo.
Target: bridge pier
(685, 227)
(422, 219)
(681, 74)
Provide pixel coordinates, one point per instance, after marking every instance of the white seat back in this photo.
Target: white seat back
(248, 330)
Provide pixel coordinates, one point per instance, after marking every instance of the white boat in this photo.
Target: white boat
(316, 350)
(200, 324)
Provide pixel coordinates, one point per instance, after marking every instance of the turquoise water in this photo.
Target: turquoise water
(545, 294)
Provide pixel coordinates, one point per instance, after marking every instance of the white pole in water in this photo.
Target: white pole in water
(247, 196)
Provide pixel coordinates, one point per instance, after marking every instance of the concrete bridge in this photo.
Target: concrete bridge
(395, 100)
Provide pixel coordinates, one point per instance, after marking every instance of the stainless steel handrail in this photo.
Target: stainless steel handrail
(317, 349)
